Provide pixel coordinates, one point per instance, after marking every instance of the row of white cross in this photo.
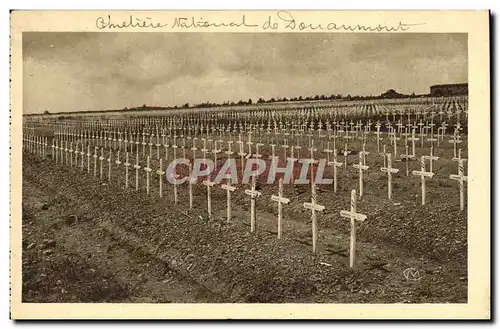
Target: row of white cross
(41, 143)
(98, 140)
(416, 107)
(103, 136)
(252, 192)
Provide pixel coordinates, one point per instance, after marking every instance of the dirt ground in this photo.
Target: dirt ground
(90, 240)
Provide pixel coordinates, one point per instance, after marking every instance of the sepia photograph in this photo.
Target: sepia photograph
(222, 167)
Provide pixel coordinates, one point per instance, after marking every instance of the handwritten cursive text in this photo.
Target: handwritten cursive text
(134, 22)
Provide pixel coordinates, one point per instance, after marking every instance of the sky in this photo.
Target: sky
(76, 71)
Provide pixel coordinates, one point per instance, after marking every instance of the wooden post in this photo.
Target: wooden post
(253, 194)
(109, 165)
(229, 189)
(364, 153)
(346, 153)
(281, 200)
(209, 184)
(56, 150)
(190, 187)
(137, 167)
(461, 178)
(160, 174)
(413, 139)
(335, 164)
(88, 159)
(407, 158)
(353, 216)
(314, 207)
(101, 159)
(95, 161)
(361, 168)
(70, 154)
(431, 158)
(423, 174)
(82, 155)
(389, 170)
(126, 164)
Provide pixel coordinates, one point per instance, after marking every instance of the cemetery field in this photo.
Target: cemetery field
(88, 239)
(362, 202)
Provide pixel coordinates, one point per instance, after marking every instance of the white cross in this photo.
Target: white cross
(280, 200)
(95, 161)
(284, 146)
(160, 173)
(431, 158)
(209, 184)
(101, 158)
(389, 170)
(328, 151)
(249, 143)
(229, 152)
(461, 179)
(109, 165)
(253, 195)
(229, 188)
(364, 153)
(346, 153)
(378, 138)
(335, 164)
(117, 161)
(407, 156)
(70, 150)
(413, 139)
(257, 154)
(354, 216)
(273, 156)
(82, 154)
(456, 140)
(126, 164)
(190, 186)
(53, 148)
(137, 167)
(88, 158)
(423, 174)
(242, 155)
(361, 168)
(76, 152)
(394, 140)
(314, 208)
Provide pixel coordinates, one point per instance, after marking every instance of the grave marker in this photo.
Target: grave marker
(101, 159)
(229, 190)
(354, 216)
(314, 207)
(431, 158)
(126, 164)
(335, 164)
(109, 165)
(160, 173)
(253, 195)
(423, 174)
(389, 170)
(280, 200)
(461, 178)
(361, 168)
(137, 167)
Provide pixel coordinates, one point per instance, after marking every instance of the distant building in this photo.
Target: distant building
(450, 89)
(391, 93)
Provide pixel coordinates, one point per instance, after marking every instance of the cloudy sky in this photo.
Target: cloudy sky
(94, 71)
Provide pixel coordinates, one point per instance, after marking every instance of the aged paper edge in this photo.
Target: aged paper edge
(474, 23)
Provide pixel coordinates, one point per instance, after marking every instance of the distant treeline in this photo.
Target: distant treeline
(302, 99)
(242, 102)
